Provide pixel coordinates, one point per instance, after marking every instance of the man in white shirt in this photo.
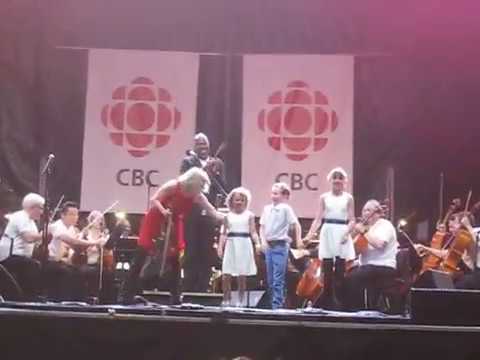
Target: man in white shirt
(64, 281)
(18, 241)
(378, 262)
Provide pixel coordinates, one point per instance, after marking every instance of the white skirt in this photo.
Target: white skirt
(238, 258)
(330, 246)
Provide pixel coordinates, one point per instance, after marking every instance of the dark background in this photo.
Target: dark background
(416, 82)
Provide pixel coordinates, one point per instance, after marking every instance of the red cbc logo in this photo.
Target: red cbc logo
(297, 120)
(141, 117)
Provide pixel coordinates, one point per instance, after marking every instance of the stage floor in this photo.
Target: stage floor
(190, 331)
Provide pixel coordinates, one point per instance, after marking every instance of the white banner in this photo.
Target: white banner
(139, 120)
(297, 125)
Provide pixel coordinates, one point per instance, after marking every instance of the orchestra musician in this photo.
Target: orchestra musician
(377, 263)
(471, 280)
(200, 229)
(96, 256)
(454, 225)
(63, 280)
(18, 241)
(173, 199)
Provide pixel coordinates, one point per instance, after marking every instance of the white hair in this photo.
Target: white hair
(338, 169)
(372, 203)
(32, 199)
(242, 191)
(201, 136)
(193, 176)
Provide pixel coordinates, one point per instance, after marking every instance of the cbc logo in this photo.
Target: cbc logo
(297, 120)
(141, 117)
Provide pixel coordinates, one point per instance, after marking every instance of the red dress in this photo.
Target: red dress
(180, 205)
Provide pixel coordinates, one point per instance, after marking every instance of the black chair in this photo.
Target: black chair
(390, 295)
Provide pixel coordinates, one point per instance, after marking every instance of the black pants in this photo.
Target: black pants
(27, 273)
(199, 252)
(370, 277)
(132, 283)
(91, 277)
(64, 282)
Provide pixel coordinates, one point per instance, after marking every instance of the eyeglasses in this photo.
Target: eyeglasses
(338, 176)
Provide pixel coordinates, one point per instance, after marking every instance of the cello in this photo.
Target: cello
(432, 261)
(463, 239)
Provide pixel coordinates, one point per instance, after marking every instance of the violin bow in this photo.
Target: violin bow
(57, 207)
(89, 225)
(440, 198)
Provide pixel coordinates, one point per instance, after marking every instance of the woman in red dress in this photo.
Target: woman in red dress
(174, 198)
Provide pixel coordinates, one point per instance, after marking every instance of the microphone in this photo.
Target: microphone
(50, 159)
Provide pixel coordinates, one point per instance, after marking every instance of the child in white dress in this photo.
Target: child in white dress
(336, 215)
(235, 244)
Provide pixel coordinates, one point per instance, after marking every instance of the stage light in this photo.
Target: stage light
(119, 266)
(402, 223)
(120, 215)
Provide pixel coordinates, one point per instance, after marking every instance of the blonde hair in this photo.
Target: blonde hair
(241, 191)
(283, 188)
(96, 216)
(337, 169)
(195, 176)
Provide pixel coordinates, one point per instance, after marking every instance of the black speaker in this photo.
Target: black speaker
(445, 306)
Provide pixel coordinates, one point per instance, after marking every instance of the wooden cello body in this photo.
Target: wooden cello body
(310, 286)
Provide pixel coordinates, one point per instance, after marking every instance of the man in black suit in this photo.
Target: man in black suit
(199, 228)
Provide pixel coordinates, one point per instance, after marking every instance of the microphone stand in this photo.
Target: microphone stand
(47, 171)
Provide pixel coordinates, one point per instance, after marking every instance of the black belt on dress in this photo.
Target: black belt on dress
(335, 221)
(238, 234)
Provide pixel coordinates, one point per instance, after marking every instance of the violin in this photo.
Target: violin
(360, 242)
(40, 251)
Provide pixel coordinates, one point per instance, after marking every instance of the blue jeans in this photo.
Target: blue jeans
(276, 257)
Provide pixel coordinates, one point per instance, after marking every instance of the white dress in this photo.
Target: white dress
(238, 258)
(332, 235)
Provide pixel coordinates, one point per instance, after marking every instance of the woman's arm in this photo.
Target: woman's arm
(164, 190)
(222, 238)
(211, 211)
(318, 219)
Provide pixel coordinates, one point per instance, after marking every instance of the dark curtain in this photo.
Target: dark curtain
(416, 81)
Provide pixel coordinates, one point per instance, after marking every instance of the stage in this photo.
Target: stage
(51, 331)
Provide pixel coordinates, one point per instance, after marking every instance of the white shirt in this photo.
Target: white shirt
(382, 230)
(277, 220)
(18, 223)
(57, 249)
(93, 252)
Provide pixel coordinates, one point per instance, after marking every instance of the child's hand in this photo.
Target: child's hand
(258, 248)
